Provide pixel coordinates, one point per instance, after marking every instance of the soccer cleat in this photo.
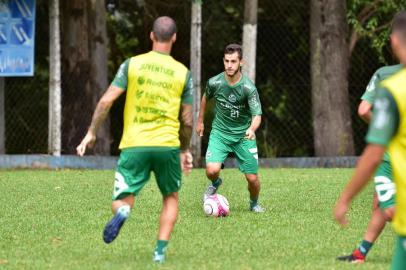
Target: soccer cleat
(355, 257)
(257, 209)
(158, 258)
(211, 190)
(113, 228)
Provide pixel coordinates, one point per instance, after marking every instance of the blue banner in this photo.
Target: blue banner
(17, 37)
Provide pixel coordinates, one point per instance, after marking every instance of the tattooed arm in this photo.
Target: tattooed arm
(100, 113)
(185, 133)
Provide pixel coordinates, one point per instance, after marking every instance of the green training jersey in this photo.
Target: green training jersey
(379, 75)
(385, 120)
(234, 105)
(373, 85)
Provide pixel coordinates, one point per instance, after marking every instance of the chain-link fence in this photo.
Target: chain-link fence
(282, 78)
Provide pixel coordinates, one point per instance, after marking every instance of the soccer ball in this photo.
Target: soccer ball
(216, 205)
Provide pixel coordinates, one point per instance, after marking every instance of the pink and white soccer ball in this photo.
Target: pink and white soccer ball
(216, 205)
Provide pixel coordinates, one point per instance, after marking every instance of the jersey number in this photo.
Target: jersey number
(235, 114)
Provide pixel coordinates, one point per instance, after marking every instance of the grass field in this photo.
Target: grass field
(54, 220)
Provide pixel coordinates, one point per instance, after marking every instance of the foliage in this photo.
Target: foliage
(371, 20)
(283, 66)
(60, 226)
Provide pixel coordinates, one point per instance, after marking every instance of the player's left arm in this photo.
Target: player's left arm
(254, 105)
(365, 110)
(367, 99)
(384, 125)
(186, 125)
(255, 123)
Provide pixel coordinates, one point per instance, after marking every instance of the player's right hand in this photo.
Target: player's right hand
(88, 141)
(200, 128)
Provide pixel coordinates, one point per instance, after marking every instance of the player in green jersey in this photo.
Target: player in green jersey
(156, 133)
(384, 195)
(237, 117)
(386, 131)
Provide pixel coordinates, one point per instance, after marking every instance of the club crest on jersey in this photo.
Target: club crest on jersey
(232, 98)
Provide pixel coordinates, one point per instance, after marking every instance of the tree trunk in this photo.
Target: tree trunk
(329, 65)
(99, 64)
(2, 118)
(54, 117)
(195, 67)
(249, 39)
(84, 79)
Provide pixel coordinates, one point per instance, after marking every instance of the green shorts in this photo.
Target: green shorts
(135, 165)
(246, 151)
(399, 258)
(384, 185)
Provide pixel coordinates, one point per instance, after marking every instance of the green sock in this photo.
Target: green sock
(365, 246)
(253, 202)
(161, 246)
(216, 183)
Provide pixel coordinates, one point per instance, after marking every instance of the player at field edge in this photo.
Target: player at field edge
(237, 117)
(384, 195)
(387, 130)
(159, 92)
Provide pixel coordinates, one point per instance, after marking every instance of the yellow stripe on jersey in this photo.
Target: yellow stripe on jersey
(155, 85)
(396, 85)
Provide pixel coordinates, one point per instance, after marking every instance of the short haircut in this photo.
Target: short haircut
(164, 28)
(232, 48)
(399, 24)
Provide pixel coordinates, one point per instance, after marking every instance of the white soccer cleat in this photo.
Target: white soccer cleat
(158, 258)
(257, 209)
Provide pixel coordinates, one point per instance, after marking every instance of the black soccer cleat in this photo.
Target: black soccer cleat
(113, 228)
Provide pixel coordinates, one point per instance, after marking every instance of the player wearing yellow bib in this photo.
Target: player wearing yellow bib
(158, 92)
(387, 130)
(384, 195)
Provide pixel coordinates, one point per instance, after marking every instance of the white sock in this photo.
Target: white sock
(124, 210)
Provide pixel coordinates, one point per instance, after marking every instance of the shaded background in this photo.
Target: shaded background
(283, 70)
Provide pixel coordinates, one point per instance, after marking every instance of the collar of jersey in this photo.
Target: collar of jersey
(160, 53)
(236, 84)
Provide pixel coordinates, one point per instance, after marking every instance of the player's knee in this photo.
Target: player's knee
(212, 172)
(389, 213)
(252, 178)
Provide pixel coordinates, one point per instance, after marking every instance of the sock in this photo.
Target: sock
(124, 211)
(364, 247)
(216, 183)
(161, 246)
(253, 202)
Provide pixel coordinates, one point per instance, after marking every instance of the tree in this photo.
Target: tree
(84, 71)
(329, 64)
(54, 115)
(195, 67)
(249, 40)
(371, 19)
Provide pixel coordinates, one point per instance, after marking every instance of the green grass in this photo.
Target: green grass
(54, 220)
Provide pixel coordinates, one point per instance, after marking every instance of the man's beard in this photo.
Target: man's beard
(231, 73)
